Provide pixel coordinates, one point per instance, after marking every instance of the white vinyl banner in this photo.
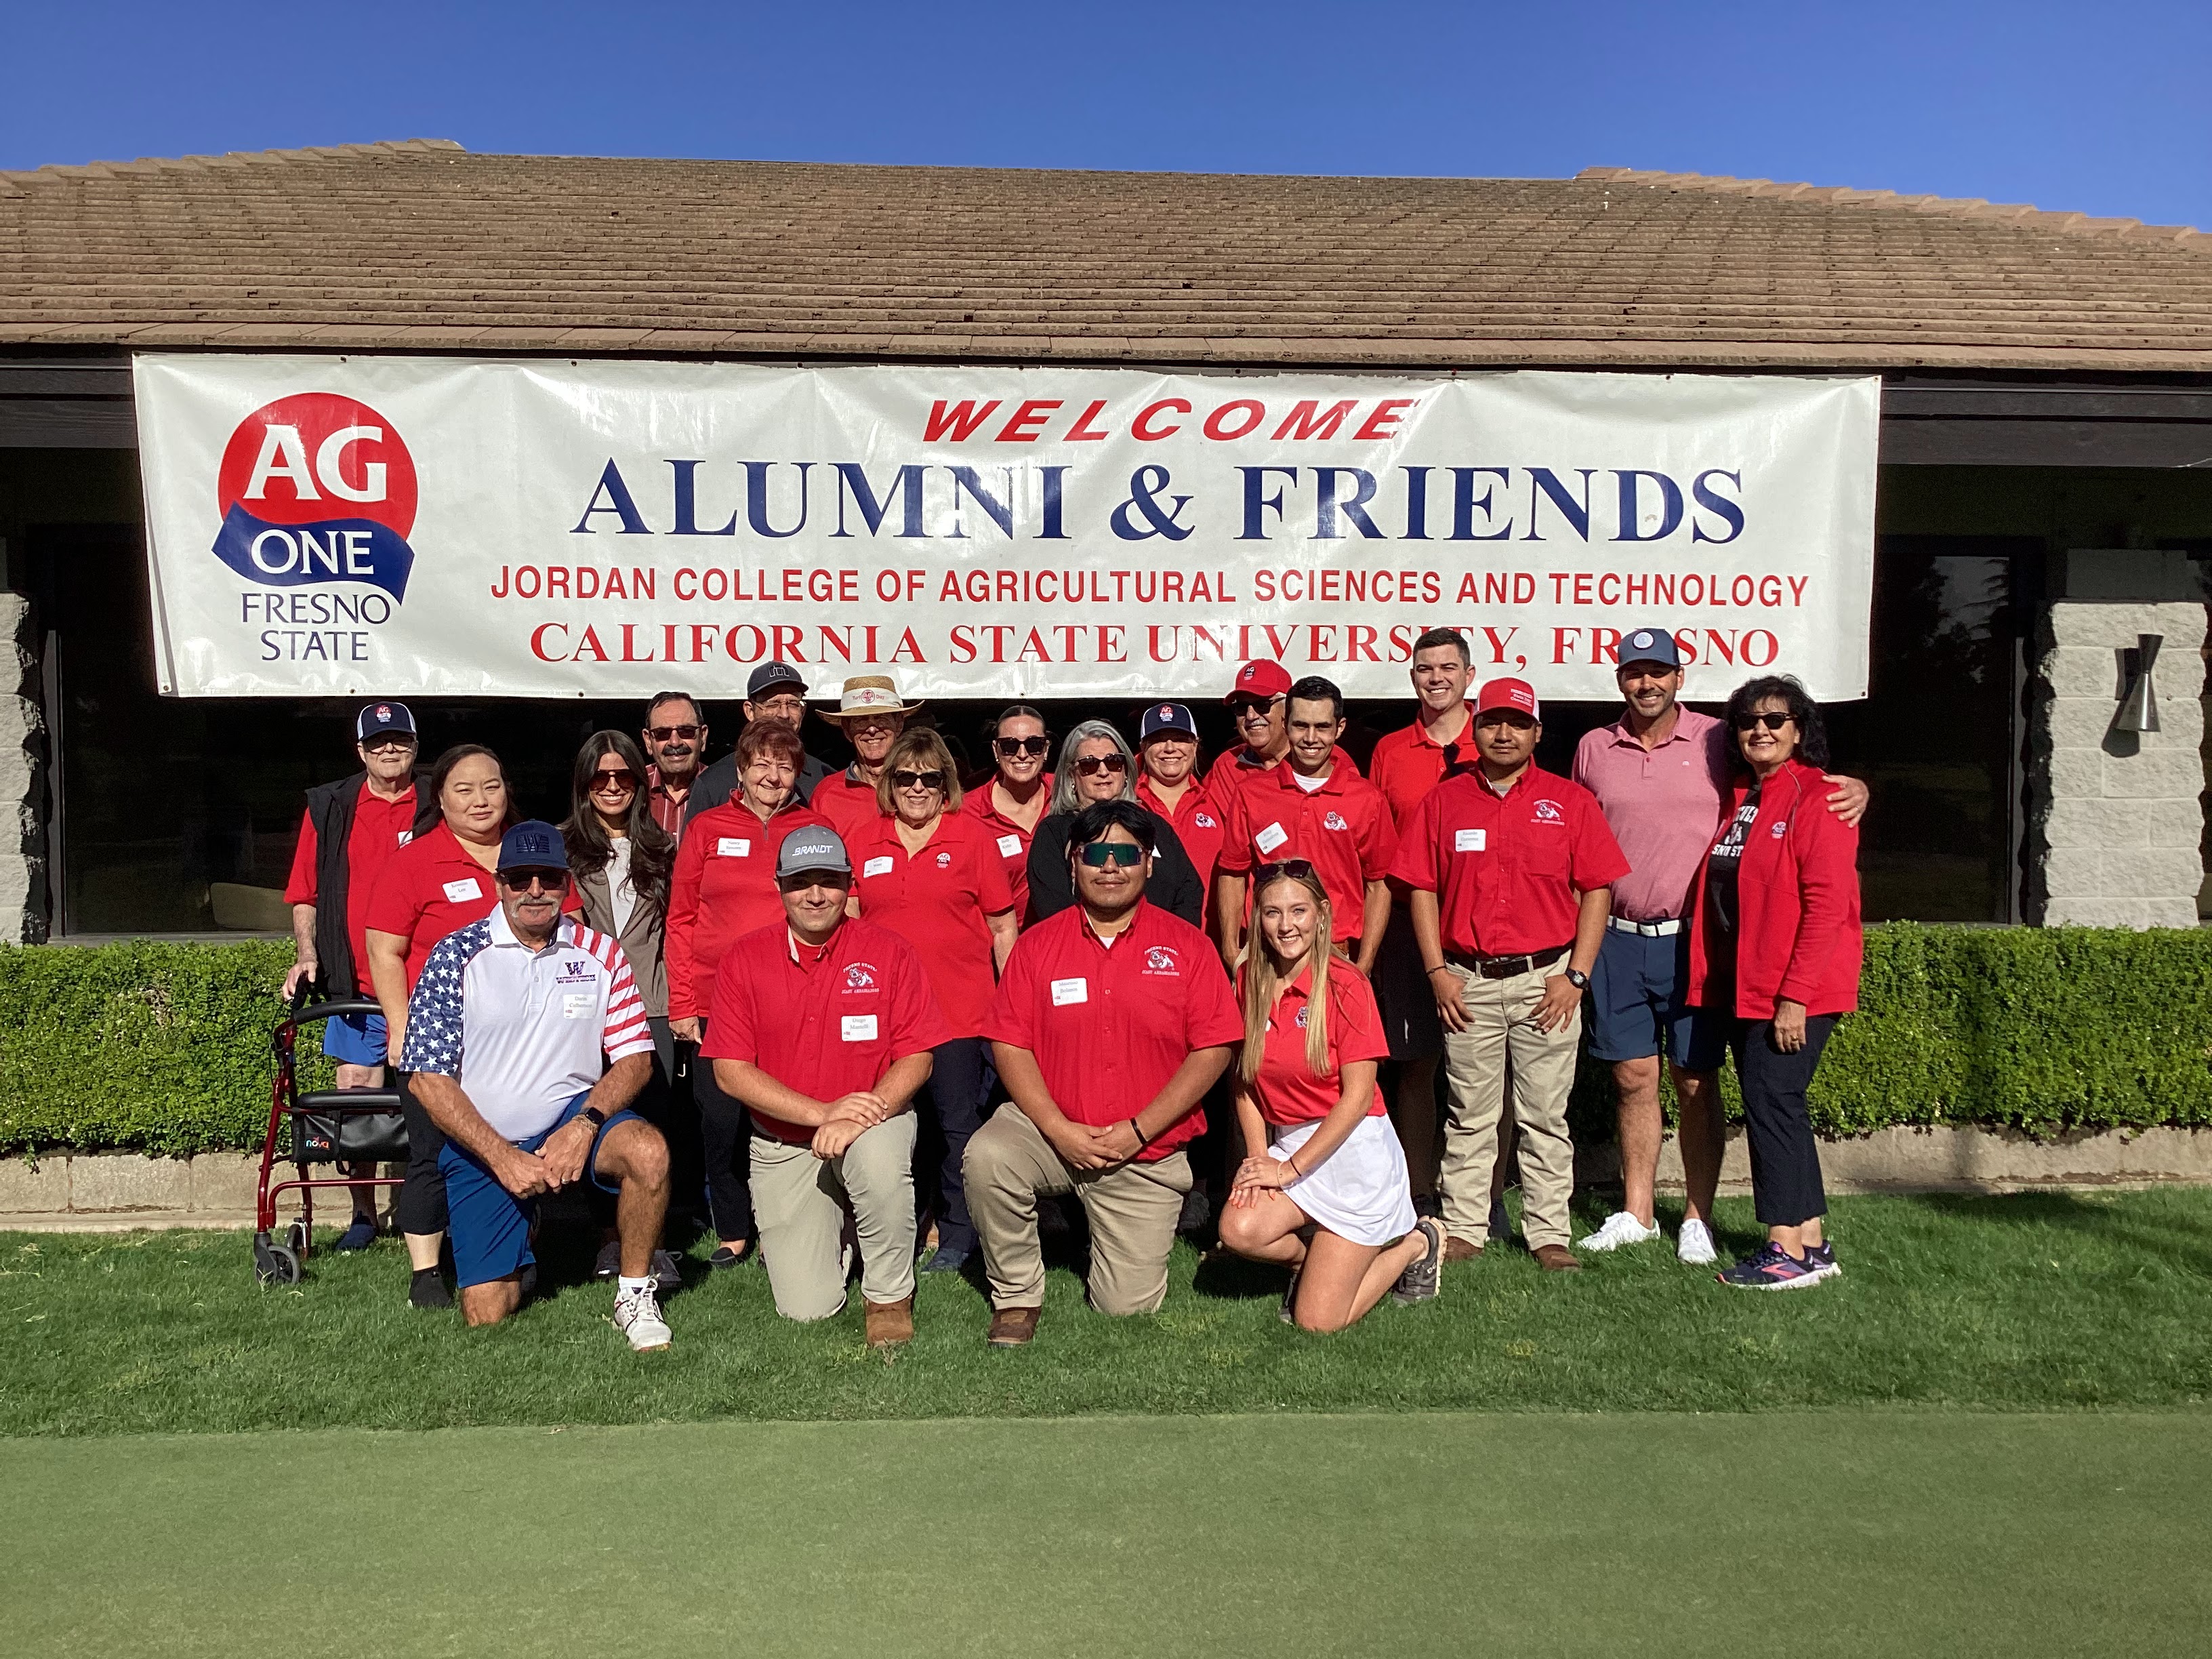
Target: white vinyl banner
(389, 526)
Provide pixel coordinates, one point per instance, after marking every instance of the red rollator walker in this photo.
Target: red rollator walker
(326, 1127)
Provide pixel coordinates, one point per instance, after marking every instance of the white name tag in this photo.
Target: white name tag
(1270, 838)
(1469, 841)
(876, 868)
(859, 1028)
(1010, 847)
(1065, 991)
(460, 891)
(733, 846)
(577, 1004)
(406, 836)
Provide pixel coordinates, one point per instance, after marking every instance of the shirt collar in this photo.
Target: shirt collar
(808, 957)
(1421, 739)
(1287, 775)
(1092, 933)
(503, 935)
(1682, 733)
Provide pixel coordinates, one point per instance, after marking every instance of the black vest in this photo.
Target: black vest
(331, 809)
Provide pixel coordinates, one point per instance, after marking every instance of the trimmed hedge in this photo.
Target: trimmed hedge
(164, 1048)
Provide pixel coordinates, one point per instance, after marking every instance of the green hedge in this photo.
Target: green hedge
(165, 1047)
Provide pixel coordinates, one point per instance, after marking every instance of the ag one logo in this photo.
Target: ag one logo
(317, 487)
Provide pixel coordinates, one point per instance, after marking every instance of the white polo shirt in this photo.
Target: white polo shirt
(523, 1031)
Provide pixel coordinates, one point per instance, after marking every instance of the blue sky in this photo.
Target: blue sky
(2101, 107)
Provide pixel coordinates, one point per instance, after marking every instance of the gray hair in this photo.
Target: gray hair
(1065, 797)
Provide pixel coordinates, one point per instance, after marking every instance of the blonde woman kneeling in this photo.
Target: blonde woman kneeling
(1329, 1198)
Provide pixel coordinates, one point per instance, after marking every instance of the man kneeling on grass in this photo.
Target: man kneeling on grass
(506, 1032)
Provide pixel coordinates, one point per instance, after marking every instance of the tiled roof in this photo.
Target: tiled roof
(423, 246)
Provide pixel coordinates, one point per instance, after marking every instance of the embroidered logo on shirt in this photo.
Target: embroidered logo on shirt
(1203, 822)
(1162, 959)
(1301, 1021)
(1335, 821)
(860, 976)
(1781, 829)
(945, 860)
(1547, 811)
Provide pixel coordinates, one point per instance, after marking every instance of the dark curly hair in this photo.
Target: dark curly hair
(1812, 731)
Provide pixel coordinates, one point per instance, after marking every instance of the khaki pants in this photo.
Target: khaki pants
(1500, 1027)
(799, 1205)
(1133, 1208)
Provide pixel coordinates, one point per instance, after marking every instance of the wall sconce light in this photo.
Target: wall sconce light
(2138, 705)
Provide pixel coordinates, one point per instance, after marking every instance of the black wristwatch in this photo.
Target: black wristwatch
(599, 1118)
(1578, 979)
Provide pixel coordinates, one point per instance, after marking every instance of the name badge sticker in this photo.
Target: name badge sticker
(1270, 838)
(1065, 991)
(733, 846)
(859, 1027)
(406, 836)
(460, 892)
(1469, 841)
(577, 1004)
(1010, 847)
(876, 868)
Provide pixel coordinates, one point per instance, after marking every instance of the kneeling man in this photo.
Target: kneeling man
(824, 1027)
(1112, 1019)
(506, 1032)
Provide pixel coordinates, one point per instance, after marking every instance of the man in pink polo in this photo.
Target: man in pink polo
(1660, 773)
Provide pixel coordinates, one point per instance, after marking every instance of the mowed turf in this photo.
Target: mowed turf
(1858, 1533)
(2030, 1302)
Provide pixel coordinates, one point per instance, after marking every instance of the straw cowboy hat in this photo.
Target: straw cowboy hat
(869, 694)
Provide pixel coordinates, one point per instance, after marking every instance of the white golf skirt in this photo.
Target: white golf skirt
(1361, 1192)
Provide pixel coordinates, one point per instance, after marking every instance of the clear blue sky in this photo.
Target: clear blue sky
(2103, 106)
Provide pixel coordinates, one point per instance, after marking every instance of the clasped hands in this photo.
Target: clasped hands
(849, 1117)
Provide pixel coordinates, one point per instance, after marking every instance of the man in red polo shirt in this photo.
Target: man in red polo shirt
(1314, 806)
(1167, 782)
(1111, 1023)
(1510, 869)
(824, 1027)
(1257, 700)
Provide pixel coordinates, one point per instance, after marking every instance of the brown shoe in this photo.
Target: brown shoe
(1013, 1327)
(889, 1323)
(1557, 1259)
(1458, 1249)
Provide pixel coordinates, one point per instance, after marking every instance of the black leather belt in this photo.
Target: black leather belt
(1506, 967)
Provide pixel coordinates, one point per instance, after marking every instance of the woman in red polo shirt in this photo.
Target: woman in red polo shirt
(1775, 940)
(1010, 799)
(439, 881)
(723, 888)
(1319, 1147)
(933, 875)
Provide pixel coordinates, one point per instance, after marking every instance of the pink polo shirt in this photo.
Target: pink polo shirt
(1661, 804)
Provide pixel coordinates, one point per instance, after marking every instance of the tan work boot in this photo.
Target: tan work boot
(1461, 1249)
(1557, 1259)
(1013, 1327)
(889, 1323)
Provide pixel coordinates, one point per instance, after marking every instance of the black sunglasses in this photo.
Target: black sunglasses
(1772, 722)
(607, 777)
(1011, 747)
(926, 779)
(1295, 869)
(663, 733)
(1091, 765)
(522, 881)
(1100, 854)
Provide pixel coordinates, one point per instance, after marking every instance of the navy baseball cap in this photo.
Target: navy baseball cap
(378, 718)
(1167, 717)
(1649, 645)
(532, 844)
(773, 673)
(811, 849)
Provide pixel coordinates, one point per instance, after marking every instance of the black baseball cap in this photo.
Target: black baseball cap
(1649, 645)
(1166, 717)
(533, 844)
(773, 674)
(376, 718)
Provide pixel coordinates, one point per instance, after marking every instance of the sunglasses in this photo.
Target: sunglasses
(1295, 869)
(1011, 747)
(377, 745)
(610, 779)
(1252, 709)
(663, 733)
(1771, 722)
(1092, 765)
(1100, 854)
(524, 881)
(918, 780)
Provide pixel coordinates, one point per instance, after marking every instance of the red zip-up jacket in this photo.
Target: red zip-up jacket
(723, 888)
(1797, 931)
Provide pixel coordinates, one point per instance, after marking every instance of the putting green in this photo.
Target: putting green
(1840, 1532)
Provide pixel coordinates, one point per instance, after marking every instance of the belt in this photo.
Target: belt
(1665, 929)
(1506, 967)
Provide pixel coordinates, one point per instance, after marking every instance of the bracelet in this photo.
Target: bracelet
(1441, 967)
(1293, 1160)
(1144, 1140)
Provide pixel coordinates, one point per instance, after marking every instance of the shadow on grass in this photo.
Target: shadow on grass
(2169, 1232)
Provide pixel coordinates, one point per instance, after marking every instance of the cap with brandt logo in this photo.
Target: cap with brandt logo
(811, 849)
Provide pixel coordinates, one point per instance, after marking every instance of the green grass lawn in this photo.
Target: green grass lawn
(2033, 1301)
(1858, 1533)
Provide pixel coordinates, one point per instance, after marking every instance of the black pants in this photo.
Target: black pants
(1786, 1159)
(725, 1140)
(422, 1196)
(959, 1091)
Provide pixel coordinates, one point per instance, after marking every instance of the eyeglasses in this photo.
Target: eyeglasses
(607, 782)
(1011, 747)
(1092, 765)
(1295, 869)
(524, 881)
(377, 745)
(665, 733)
(1252, 709)
(1100, 854)
(1772, 722)
(918, 780)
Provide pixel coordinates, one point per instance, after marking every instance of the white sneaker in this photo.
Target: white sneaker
(1695, 1245)
(637, 1316)
(1620, 1227)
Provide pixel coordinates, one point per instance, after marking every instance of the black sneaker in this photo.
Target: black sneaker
(426, 1289)
(1821, 1258)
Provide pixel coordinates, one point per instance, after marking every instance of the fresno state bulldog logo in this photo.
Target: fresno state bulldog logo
(1204, 821)
(1547, 811)
(860, 976)
(1162, 959)
(317, 487)
(1335, 821)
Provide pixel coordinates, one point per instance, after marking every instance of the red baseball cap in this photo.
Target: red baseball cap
(1508, 694)
(1262, 678)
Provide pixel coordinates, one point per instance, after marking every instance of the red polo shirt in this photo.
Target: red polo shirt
(380, 828)
(1407, 763)
(937, 900)
(724, 887)
(1343, 827)
(1198, 823)
(1506, 872)
(1008, 839)
(847, 807)
(668, 810)
(1110, 1024)
(426, 890)
(1234, 768)
(824, 1022)
(1286, 1091)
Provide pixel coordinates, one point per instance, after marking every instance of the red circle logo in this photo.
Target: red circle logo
(316, 457)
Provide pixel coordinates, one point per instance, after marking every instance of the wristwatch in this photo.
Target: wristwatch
(599, 1118)
(1578, 979)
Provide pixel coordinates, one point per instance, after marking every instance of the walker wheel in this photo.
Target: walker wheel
(296, 1238)
(284, 1266)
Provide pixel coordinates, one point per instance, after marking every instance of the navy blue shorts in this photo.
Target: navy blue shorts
(354, 1039)
(490, 1226)
(1635, 1008)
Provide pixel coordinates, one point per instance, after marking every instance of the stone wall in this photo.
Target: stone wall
(22, 779)
(2114, 819)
